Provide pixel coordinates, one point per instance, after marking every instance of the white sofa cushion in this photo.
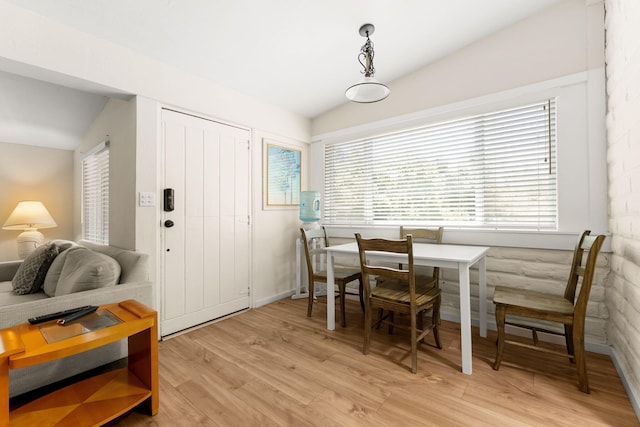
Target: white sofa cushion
(9, 297)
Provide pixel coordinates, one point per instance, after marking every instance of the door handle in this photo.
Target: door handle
(168, 223)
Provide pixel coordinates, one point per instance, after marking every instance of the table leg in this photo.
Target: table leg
(143, 362)
(4, 392)
(482, 295)
(331, 301)
(301, 265)
(465, 317)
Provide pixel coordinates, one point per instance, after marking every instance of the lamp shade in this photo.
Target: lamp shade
(27, 215)
(367, 90)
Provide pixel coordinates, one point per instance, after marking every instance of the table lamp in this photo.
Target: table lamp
(29, 216)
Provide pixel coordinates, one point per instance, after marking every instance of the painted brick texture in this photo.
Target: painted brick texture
(622, 23)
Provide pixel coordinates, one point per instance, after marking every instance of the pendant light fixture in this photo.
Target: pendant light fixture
(368, 89)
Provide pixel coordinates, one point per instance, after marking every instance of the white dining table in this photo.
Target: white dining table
(459, 257)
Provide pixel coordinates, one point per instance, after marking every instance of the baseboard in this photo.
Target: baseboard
(273, 298)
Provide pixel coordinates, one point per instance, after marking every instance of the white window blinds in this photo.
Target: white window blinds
(95, 194)
(493, 171)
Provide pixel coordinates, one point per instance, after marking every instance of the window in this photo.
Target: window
(95, 194)
(490, 171)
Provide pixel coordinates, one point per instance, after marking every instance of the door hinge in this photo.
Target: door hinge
(248, 145)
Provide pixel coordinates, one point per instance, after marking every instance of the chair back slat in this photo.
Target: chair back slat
(582, 272)
(314, 242)
(426, 235)
(434, 235)
(368, 268)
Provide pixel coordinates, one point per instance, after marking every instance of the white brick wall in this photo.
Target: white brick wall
(622, 52)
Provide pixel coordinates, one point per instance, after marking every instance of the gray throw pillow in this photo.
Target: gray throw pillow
(31, 273)
(63, 245)
(85, 269)
(53, 275)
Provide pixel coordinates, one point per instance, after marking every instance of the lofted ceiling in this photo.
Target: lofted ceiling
(297, 54)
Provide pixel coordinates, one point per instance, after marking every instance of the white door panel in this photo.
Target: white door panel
(173, 301)
(211, 296)
(206, 251)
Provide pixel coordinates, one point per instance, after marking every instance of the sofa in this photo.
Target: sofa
(72, 275)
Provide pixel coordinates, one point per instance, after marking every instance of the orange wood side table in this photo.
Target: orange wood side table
(96, 400)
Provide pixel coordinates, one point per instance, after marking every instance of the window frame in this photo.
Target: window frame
(478, 157)
(581, 159)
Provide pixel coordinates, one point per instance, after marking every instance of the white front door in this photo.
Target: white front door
(206, 235)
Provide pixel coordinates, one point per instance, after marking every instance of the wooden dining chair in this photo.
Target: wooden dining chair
(565, 309)
(399, 294)
(425, 235)
(426, 277)
(314, 242)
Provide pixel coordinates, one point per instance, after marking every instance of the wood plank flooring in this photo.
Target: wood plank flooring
(273, 366)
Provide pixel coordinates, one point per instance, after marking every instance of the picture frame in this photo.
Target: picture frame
(282, 175)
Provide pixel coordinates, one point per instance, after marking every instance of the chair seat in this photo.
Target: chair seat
(346, 274)
(532, 300)
(397, 291)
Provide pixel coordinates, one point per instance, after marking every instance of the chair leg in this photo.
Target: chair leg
(392, 319)
(578, 345)
(414, 344)
(367, 329)
(435, 321)
(380, 317)
(420, 322)
(343, 291)
(361, 293)
(501, 313)
(311, 294)
(568, 336)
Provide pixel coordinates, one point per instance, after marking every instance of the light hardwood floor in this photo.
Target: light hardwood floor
(273, 366)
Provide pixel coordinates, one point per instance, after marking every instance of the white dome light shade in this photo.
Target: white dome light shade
(367, 90)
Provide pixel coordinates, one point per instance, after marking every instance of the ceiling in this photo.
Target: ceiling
(298, 54)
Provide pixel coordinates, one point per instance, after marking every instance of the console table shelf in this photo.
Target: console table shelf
(96, 400)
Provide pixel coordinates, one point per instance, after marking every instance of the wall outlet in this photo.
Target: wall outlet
(146, 199)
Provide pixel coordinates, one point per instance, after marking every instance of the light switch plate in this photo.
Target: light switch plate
(146, 198)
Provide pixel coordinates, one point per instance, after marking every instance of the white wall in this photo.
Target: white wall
(275, 230)
(623, 156)
(39, 47)
(555, 43)
(116, 123)
(35, 173)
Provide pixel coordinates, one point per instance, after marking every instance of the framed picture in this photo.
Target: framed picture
(282, 175)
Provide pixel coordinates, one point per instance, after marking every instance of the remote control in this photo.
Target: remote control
(58, 315)
(77, 315)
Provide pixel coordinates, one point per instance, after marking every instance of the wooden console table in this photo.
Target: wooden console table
(96, 400)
